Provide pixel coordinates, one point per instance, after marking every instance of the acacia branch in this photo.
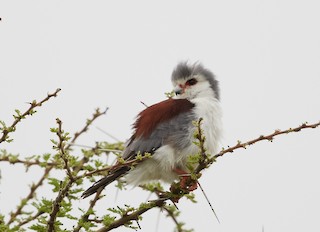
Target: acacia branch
(173, 217)
(56, 205)
(85, 217)
(31, 194)
(269, 137)
(134, 216)
(29, 219)
(244, 145)
(61, 147)
(29, 111)
(63, 192)
(27, 163)
(95, 115)
(176, 192)
(170, 212)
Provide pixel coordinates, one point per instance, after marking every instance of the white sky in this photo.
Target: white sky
(266, 55)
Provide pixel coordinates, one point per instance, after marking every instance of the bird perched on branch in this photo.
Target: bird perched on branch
(166, 130)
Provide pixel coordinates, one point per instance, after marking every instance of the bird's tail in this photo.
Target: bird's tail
(105, 181)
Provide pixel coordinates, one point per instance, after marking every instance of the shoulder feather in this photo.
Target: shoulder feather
(161, 112)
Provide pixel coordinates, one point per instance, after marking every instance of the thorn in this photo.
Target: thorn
(205, 195)
(108, 134)
(175, 205)
(138, 224)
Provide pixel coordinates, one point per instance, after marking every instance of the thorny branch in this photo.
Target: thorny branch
(201, 139)
(170, 213)
(179, 193)
(244, 145)
(134, 216)
(56, 205)
(173, 217)
(269, 137)
(50, 165)
(176, 193)
(85, 217)
(30, 219)
(96, 115)
(63, 192)
(61, 147)
(33, 188)
(27, 163)
(4, 137)
(29, 111)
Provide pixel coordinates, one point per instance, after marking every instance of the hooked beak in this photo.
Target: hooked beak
(179, 90)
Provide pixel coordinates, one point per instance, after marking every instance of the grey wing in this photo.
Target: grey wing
(175, 132)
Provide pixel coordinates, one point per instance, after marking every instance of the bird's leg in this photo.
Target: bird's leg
(185, 181)
(185, 185)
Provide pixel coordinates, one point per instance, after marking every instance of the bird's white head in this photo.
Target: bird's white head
(194, 81)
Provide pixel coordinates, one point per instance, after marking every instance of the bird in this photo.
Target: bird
(166, 130)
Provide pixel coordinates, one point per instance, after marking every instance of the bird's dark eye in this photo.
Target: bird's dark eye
(192, 81)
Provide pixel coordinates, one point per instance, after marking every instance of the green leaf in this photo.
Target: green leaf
(108, 220)
(46, 156)
(38, 227)
(55, 183)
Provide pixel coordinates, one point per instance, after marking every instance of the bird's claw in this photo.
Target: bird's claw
(186, 183)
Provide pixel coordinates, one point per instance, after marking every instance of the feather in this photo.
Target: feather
(158, 113)
(105, 181)
(158, 124)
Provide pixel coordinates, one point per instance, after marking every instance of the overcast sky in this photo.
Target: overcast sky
(265, 54)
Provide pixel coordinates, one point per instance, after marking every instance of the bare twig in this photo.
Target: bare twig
(95, 115)
(269, 137)
(27, 163)
(173, 217)
(29, 219)
(29, 111)
(160, 194)
(108, 134)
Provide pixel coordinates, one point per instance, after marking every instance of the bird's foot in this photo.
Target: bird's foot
(186, 183)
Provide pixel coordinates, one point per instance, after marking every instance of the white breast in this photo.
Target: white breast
(209, 109)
